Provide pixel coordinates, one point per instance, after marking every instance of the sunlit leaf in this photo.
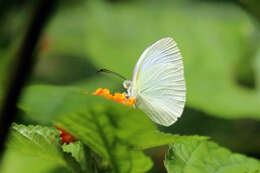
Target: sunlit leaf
(202, 156)
(42, 142)
(98, 129)
(114, 131)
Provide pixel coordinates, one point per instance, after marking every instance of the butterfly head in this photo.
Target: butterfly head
(127, 84)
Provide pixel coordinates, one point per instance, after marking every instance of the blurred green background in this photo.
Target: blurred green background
(219, 41)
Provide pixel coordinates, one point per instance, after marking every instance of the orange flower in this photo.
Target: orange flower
(118, 97)
(99, 91)
(66, 136)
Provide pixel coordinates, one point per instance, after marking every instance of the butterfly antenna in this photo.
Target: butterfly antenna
(103, 70)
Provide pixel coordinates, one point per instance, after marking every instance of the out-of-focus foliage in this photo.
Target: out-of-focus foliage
(193, 156)
(252, 6)
(213, 40)
(17, 161)
(44, 103)
(256, 67)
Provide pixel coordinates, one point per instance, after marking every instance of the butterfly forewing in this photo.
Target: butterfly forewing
(158, 82)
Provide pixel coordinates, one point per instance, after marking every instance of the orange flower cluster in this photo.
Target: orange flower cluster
(118, 97)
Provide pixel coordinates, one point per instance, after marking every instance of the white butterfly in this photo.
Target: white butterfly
(158, 83)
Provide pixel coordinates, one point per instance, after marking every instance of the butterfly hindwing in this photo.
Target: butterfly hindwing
(158, 82)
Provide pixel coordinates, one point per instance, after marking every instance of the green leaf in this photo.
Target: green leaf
(114, 131)
(55, 102)
(118, 138)
(98, 130)
(117, 133)
(14, 161)
(80, 153)
(202, 156)
(42, 142)
(45, 103)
